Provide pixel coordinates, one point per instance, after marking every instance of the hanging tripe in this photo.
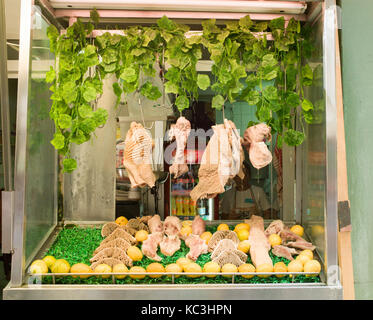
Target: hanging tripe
(138, 156)
(254, 143)
(221, 161)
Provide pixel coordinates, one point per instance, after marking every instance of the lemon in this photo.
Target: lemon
(295, 266)
(187, 223)
(155, 267)
(49, 260)
(241, 226)
(186, 231)
(211, 267)
(122, 221)
(81, 268)
(312, 266)
(120, 268)
(223, 227)
(280, 267)
(308, 253)
(174, 267)
(243, 234)
(246, 267)
(265, 267)
(141, 235)
(297, 229)
(229, 268)
(60, 266)
(303, 258)
(274, 239)
(193, 267)
(317, 231)
(103, 268)
(134, 253)
(137, 270)
(206, 236)
(244, 246)
(182, 262)
(39, 266)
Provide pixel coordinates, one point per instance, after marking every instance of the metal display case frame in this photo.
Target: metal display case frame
(330, 288)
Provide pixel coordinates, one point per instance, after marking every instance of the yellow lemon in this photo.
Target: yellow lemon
(223, 227)
(295, 266)
(155, 267)
(187, 223)
(244, 246)
(174, 267)
(134, 253)
(182, 262)
(265, 267)
(241, 226)
(243, 234)
(193, 267)
(39, 266)
(141, 235)
(120, 268)
(312, 266)
(103, 268)
(122, 221)
(303, 258)
(274, 239)
(186, 231)
(206, 236)
(280, 267)
(81, 268)
(308, 253)
(297, 229)
(229, 268)
(134, 270)
(49, 260)
(211, 267)
(317, 231)
(246, 267)
(60, 266)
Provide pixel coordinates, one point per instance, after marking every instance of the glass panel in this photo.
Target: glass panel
(40, 155)
(314, 152)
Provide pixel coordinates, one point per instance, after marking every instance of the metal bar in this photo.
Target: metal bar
(331, 213)
(7, 199)
(187, 5)
(4, 100)
(298, 178)
(18, 260)
(194, 15)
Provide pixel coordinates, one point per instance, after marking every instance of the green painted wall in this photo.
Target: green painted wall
(357, 51)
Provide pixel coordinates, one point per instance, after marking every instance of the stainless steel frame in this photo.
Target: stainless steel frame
(331, 289)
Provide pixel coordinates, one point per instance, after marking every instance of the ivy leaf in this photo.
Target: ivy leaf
(79, 137)
(85, 111)
(252, 80)
(171, 87)
(232, 25)
(149, 35)
(64, 121)
(53, 35)
(117, 91)
(69, 165)
(293, 100)
(138, 51)
(269, 60)
(128, 74)
(260, 26)
(150, 91)
(291, 57)
(217, 102)
(270, 93)
(100, 116)
(278, 23)
(292, 25)
(252, 98)
(94, 15)
(182, 102)
(245, 23)
(110, 55)
(293, 137)
(89, 50)
(264, 112)
(109, 68)
(58, 141)
(69, 92)
(203, 81)
(50, 75)
(166, 24)
(307, 105)
(89, 93)
(279, 141)
(209, 26)
(307, 75)
(221, 37)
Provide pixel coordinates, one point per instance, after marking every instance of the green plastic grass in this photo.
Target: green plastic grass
(76, 245)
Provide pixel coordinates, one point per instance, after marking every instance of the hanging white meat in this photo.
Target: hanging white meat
(180, 131)
(138, 156)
